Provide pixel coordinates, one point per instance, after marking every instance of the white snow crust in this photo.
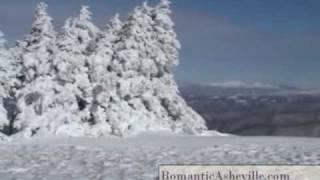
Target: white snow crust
(138, 157)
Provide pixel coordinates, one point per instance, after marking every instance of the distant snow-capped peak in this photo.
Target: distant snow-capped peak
(241, 84)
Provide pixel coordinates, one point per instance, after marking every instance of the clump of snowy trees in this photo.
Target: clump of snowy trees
(84, 81)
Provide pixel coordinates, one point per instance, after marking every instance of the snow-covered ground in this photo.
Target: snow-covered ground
(138, 157)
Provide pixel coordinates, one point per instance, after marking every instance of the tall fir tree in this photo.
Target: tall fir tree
(36, 91)
(4, 56)
(185, 119)
(145, 58)
(2, 40)
(101, 58)
(75, 45)
(8, 81)
(169, 46)
(127, 112)
(102, 77)
(39, 47)
(3, 82)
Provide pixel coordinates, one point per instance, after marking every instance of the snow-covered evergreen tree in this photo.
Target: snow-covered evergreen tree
(8, 73)
(3, 78)
(4, 63)
(168, 54)
(132, 67)
(102, 77)
(100, 60)
(167, 58)
(75, 44)
(147, 95)
(38, 53)
(35, 93)
(2, 40)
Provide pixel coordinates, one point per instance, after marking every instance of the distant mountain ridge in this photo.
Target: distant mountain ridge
(230, 88)
(256, 108)
(242, 84)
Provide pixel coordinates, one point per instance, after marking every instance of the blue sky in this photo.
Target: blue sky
(272, 41)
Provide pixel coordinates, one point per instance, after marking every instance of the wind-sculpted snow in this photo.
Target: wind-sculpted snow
(138, 157)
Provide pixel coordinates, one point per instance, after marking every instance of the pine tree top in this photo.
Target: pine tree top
(145, 5)
(78, 31)
(2, 40)
(85, 14)
(163, 7)
(83, 22)
(42, 24)
(164, 3)
(41, 9)
(116, 22)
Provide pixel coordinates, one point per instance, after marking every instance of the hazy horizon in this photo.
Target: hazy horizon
(253, 41)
